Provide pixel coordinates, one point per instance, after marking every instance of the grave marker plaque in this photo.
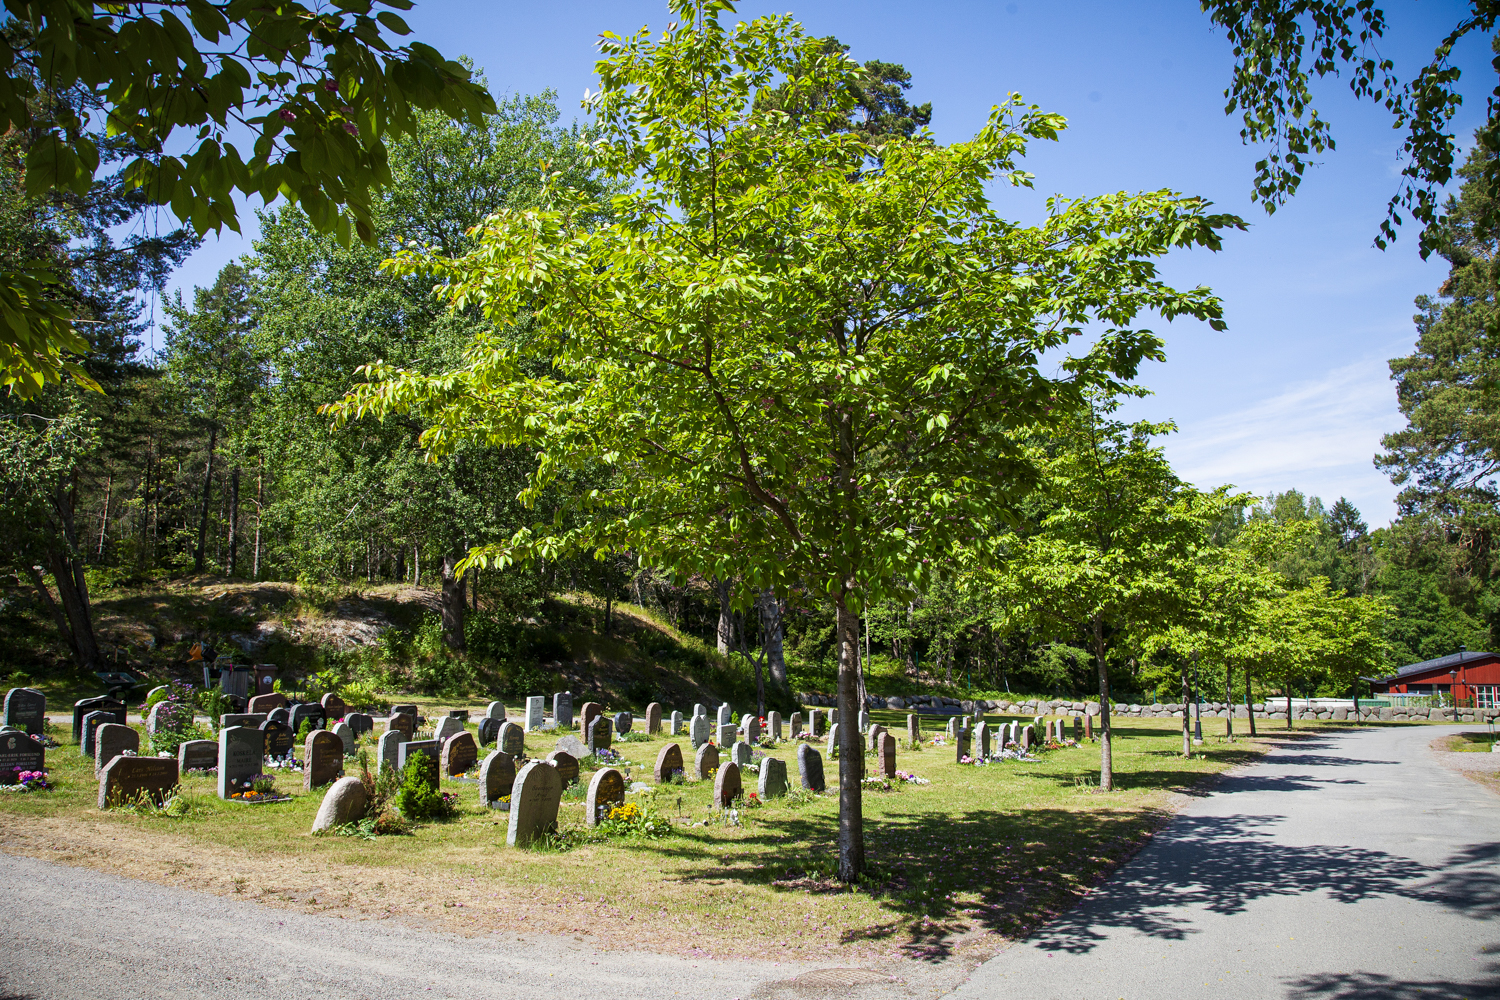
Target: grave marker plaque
(727, 785)
(512, 739)
(562, 709)
(280, 739)
(533, 804)
(111, 740)
(705, 761)
(240, 757)
(773, 783)
(19, 752)
(668, 763)
(606, 791)
(566, 764)
(323, 761)
(810, 767)
(461, 714)
(496, 776)
(653, 718)
(460, 754)
(126, 779)
(26, 709)
(197, 755)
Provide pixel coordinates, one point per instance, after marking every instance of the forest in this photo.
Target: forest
(488, 392)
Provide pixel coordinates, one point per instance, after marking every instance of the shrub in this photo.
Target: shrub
(418, 797)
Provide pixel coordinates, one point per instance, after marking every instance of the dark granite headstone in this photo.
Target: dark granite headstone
(496, 776)
(600, 734)
(668, 762)
(312, 714)
(282, 715)
(460, 754)
(810, 768)
(251, 719)
(126, 779)
(102, 703)
(489, 730)
(323, 759)
(333, 706)
(360, 723)
(566, 764)
(197, 755)
(25, 709)
(280, 739)
(241, 755)
(429, 750)
(91, 724)
(19, 752)
(623, 722)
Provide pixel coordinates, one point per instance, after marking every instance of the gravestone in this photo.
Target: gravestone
(489, 730)
(885, 757)
(953, 727)
(562, 709)
(1000, 732)
(240, 758)
(323, 761)
(265, 704)
(676, 724)
(197, 755)
(512, 739)
(726, 715)
(1025, 738)
(727, 785)
(111, 740)
(653, 718)
(1078, 728)
(864, 721)
(241, 719)
(668, 762)
(833, 741)
(566, 764)
(705, 761)
(460, 754)
(427, 750)
(773, 723)
(698, 731)
(410, 710)
(25, 709)
(162, 689)
(815, 723)
(127, 779)
(360, 723)
(280, 740)
(313, 715)
(740, 754)
(19, 752)
(535, 712)
(982, 740)
(344, 802)
(606, 791)
(461, 714)
(623, 722)
(961, 745)
(496, 777)
(591, 710)
(794, 725)
(390, 749)
(495, 710)
(1088, 727)
(533, 804)
(750, 727)
(873, 739)
(333, 706)
(810, 767)
(112, 707)
(345, 735)
(728, 734)
(446, 728)
(91, 724)
(914, 727)
(773, 782)
(282, 715)
(599, 734)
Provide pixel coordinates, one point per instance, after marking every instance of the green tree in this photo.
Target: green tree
(319, 90)
(803, 375)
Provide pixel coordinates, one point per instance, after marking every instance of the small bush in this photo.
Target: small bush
(418, 797)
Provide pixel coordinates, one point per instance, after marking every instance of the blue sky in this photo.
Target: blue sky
(1297, 393)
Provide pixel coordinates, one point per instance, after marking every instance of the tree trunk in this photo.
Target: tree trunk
(1289, 705)
(1106, 755)
(851, 748)
(73, 595)
(1187, 721)
(1228, 703)
(259, 468)
(58, 618)
(453, 605)
(1249, 705)
(609, 606)
(772, 626)
(208, 486)
(234, 521)
(109, 489)
(725, 633)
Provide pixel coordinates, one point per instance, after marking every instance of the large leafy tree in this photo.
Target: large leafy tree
(804, 374)
(1281, 46)
(316, 92)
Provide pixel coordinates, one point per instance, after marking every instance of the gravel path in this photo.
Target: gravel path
(1343, 867)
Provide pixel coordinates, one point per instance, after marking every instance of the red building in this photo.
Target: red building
(1472, 679)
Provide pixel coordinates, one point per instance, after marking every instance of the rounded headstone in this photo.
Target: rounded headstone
(727, 786)
(810, 767)
(773, 783)
(606, 791)
(126, 779)
(653, 718)
(324, 760)
(333, 706)
(489, 730)
(705, 761)
(497, 775)
(460, 753)
(533, 804)
(344, 802)
(111, 740)
(566, 764)
(512, 739)
(668, 762)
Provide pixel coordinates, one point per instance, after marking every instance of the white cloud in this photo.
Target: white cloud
(1318, 436)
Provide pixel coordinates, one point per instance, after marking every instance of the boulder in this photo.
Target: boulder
(344, 802)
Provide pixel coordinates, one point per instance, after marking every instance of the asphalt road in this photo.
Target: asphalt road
(1345, 867)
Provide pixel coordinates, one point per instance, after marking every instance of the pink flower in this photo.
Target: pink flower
(330, 85)
(287, 115)
(350, 128)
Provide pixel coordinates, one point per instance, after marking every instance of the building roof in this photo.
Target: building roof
(1441, 664)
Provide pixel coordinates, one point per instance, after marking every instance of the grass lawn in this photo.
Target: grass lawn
(980, 855)
(1468, 742)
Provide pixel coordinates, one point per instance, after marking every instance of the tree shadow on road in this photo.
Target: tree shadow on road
(1370, 986)
(1224, 863)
